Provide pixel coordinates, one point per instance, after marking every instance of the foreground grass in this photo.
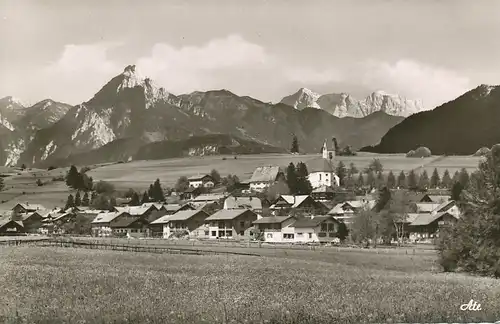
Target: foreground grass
(58, 285)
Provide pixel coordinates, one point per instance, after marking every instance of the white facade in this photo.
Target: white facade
(282, 233)
(259, 186)
(201, 183)
(319, 179)
(200, 232)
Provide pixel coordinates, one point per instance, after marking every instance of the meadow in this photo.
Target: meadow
(63, 285)
(138, 175)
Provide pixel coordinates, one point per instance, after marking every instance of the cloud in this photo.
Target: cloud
(314, 77)
(434, 85)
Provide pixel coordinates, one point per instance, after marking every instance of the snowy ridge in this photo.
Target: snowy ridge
(95, 126)
(4, 122)
(344, 105)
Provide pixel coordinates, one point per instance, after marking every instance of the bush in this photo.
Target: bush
(39, 182)
(421, 152)
(483, 151)
(104, 187)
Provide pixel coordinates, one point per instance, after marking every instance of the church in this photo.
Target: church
(322, 169)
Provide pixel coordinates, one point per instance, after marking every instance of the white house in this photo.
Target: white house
(322, 169)
(235, 223)
(190, 221)
(203, 180)
(277, 229)
(101, 225)
(315, 229)
(265, 176)
(347, 210)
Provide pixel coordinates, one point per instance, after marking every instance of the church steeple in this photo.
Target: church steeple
(326, 153)
(324, 150)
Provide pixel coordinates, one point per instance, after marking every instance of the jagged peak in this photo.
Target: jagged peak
(12, 100)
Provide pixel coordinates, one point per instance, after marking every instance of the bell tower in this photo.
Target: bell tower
(324, 151)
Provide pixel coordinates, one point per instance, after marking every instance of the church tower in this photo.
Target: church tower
(326, 153)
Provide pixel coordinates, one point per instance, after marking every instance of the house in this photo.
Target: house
(265, 176)
(426, 226)
(252, 203)
(315, 229)
(156, 230)
(439, 198)
(234, 223)
(191, 193)
(174, 208)
(300, 203)
(27, 207)
(346, 211)
(101, 225)
(202, 200)
(130, 227)
(32, 222)
(9, 227)
(158, 206)
(323, 193)
(190, 222)
(203, 181)
(137, 210)
(276, 229)
(426, 207)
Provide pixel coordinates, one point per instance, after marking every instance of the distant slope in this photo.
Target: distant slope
(459, 127)
(126, 149)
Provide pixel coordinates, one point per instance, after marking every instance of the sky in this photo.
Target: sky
(420, 49)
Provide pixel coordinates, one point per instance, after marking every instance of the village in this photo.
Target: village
(316, 202)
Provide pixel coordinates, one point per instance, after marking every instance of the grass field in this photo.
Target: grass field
(140, 174)
(62, 285)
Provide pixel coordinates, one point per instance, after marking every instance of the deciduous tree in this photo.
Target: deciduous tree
(182, 184)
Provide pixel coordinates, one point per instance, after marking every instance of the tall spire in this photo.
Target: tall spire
(324, 151)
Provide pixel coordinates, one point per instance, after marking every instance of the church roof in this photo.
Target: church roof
(320, 165)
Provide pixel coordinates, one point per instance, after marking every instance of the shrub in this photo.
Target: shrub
(39, 182)
(104, 187)
(421, 152)
(483, 151)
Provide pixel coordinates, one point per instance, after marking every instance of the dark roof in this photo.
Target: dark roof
(184, 215)
(311, 222)
(6, 222)
(199, 177)
(265, 174)
(192, 190)
(225, 214)
(272, 220)
(320, 165)
(127, 221)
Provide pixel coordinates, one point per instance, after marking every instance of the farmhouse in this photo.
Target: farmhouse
(265, 176)
(302, 203)
(9, 227)
(346, 211)
(137, 210)
(276, 229)
(191, 193)
(252, 203)
(26, 208)
(130, 226)
(174, 208)
(235, 223)
(204, 180)
(101, 225)
(315, 229)
(188, 222)
(32, 222)
(425, 226)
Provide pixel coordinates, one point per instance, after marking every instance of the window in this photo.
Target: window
(207, 232)
(300, 234)
(323, 227)
(322, 234)
(331, 227)
(221, 224)
(229, 233)
(269, 235)
(214, 233)
(331, 234)
(310, 235)
(288, 236)
(242, 224)
(320, 177)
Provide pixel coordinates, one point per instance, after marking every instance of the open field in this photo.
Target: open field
(63, 285)
(140, 174)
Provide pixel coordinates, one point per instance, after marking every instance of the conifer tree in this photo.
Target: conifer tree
(151, 191)
(412, 181)
(435, 180)
(112, 203)
(135, 199)
(370, 179)
(352, 169)
(361, 181)
(423, 182)
(341, 172)
(391, 180)
(464, 178)
(145, 198)
(70, 202)
(446, 181)
(380, 181)
(303, 185)
(158, 194)
(85, 199)
(295, 145)
(402, 180)
(72, 177)
(291, 178)
(78, 199)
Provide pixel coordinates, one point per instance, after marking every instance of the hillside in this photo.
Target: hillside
(459, 127)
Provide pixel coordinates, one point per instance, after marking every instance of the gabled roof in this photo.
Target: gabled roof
(294, 201)
(339, 209)
(133, 210)
(106, 217)
(439, 198)
(126, 222)
(228, 214)
(443, 207)
(199, 177)
(176, 207)
(307, 222)
(185, 215)
(6, 221)
(425, 207)
(426, 219)
(320, 165)
(148, 205)
(209, 197)
(272, 220)
(253, 203)
(28, 206)
(265, 174)
(29, 215)
(323, 189)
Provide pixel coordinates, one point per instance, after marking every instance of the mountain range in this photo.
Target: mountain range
(130, 117)
(344, 105)
(459, 127)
